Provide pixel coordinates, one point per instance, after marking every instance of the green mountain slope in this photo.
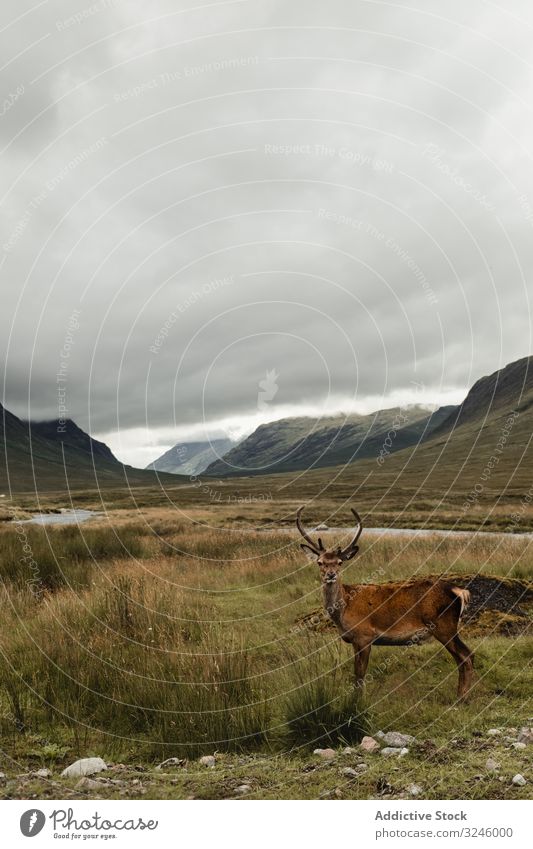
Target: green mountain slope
(302, 443)
(46, 456)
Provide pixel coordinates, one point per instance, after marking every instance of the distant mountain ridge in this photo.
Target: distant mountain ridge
(54, 455)
(191, 458)
(301, 442)
(504, 390)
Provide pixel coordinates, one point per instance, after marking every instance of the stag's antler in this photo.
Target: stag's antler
(346, 552)
(316, 548)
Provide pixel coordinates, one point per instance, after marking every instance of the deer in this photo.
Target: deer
(393, 614)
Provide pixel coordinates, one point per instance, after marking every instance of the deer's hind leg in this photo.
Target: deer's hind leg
(446, 633)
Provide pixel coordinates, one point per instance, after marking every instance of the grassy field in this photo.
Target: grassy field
(147, 635)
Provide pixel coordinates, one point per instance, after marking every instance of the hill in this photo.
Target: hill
(50, 455)
(303, 442)
(191, 458)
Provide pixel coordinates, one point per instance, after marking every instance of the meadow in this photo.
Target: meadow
(145, 636)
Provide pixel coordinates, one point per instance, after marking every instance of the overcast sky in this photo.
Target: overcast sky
(216, 214)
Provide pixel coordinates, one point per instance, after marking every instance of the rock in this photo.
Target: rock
(379, 734)
(415, 790)
(243, 789)
(526, 735)
(349, 772)
(397, 740)
(494, 732)
(348, 751)
(85, 766)
(42, 773)
(391, 751)
(3, 777)
(87, 784)
(322, 527)
(519, 746)
(519, 780)
(208, 761)
(180, 762)
(492, 765)
(368, 744)
(325, 754)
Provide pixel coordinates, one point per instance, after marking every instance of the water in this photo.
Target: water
(69, 517)
(408, 532)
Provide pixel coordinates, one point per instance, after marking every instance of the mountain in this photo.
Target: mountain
(69, 434)
(51, 455)
(507, 389)
(191, 458)
(302, 442)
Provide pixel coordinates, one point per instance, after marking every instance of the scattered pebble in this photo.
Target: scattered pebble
(519, 780)
(348, 751)
(325, 754)
(415, 789)
(368, 744)
(519, 746)
(42, 773)
(349, 772)
(526, 735)
(208, 761)
(492, 765)
(391, 751)
(172, 762)
(494, 732)
(3, 777)
(243, 789)
(397, 740)
(86, 783)
(85, 766)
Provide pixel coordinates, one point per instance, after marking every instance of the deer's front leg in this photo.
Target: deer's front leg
(361, 657)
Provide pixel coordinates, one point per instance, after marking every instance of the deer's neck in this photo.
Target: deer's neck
(334, 601)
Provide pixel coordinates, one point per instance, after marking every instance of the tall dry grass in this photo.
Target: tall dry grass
(184, 641)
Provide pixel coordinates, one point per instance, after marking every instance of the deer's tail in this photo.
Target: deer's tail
(463, 596)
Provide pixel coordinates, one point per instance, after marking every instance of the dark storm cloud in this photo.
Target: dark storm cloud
(338, 194)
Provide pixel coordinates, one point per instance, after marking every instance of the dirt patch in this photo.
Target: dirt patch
(498, 606)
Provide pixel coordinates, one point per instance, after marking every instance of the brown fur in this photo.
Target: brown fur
(399, 613)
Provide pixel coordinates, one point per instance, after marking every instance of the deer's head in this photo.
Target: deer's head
(330, 561)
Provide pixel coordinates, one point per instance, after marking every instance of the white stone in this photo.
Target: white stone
(325, 754)
(415, 790)
(349, 772)
(492, 765)
(171, 762)
(526, 735)
(88, 784)
(208, 761)
(42, 773)
(243, 789)
(393, 751)
(85, 766)
(519, 746)
(494, 732)
(519, 780)
(394, 738)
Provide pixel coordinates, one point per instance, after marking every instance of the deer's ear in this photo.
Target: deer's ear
(303, 546)
(351, 553)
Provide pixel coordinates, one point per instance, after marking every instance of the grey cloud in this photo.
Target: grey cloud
(327, 157)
